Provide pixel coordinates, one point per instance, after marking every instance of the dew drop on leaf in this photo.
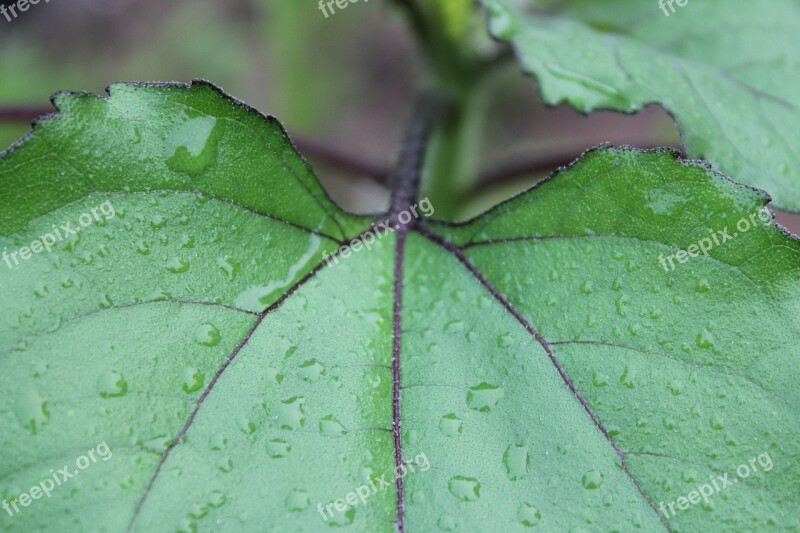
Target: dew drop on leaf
(225, 464)
(191, 147)
(311, 370)
(484, 397)
(278, 448)
(446, 523)
(450, 425)
(705, 339)
(192, 380)
(142, 247)
(528, 515)
(467, 489)
(229, 267)
(599, 379)
(517, 461)
(218, 442)
(291, 413)
(628, 377)
(330, 427)
(297, 500)
(176, 265)
(31, 411)
(342, 519)
(111, 385)
(246, 425)
(703, 286)
(592, 479)
(207, 335)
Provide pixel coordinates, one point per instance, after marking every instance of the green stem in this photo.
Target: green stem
(452, 166)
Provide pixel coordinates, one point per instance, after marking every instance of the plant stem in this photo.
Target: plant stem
(452, 168)
(406, 175)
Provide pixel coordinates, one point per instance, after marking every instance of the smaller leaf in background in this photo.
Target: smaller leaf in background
(729, 73)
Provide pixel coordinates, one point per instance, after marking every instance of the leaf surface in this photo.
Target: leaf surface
(551, 372)
(727, 71)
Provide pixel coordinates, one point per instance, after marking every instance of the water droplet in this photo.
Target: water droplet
(218, 442)
(31, 411)
(191, 147)
(703, 286)
(450, 425)
(291, 413)
(705, 339)
(176, 265)
(484, 397)
(716, 422)
(192, 380)
(111, 385)
(528, 515)
(187, 241)
(39, 369)
(599, 379)
(446, 523)
(454, 326)
(311, 370)
(586, 288)
(465, 488)
(592, 479)
(628, 377)
(229, 267)
(41, 291)
(142, 247)
(330, 427)
(273, 373)
(506, 340)
(517, 461)
(278, 448)
(297, 500)
(157, 444)
(207, 335)
(225, 464)
(158, 222)
(342, 519)
(246, 425)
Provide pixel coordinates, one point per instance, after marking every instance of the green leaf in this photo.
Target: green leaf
(550, 372)
(727, 72)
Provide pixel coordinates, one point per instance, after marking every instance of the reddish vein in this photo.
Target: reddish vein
(405, 184)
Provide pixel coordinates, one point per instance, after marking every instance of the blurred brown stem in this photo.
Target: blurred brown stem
(22, 113)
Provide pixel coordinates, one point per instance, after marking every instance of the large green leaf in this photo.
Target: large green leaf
(549, 371)
(727, 70)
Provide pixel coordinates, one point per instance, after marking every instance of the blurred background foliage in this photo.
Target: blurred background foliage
(347, 82)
